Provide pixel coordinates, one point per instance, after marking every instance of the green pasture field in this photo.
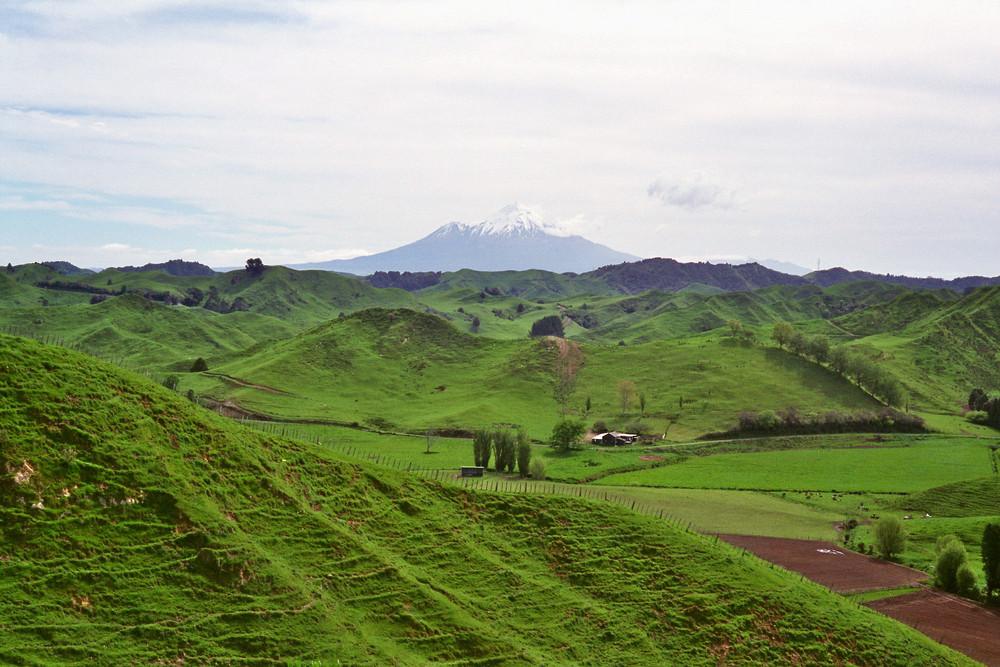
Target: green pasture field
(924, 462)
(968, 498)
(409, 451)
(871, 596)
(738, 512)
(924, 534)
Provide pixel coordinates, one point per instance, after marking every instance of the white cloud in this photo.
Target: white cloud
(692, 192)
(367, 124)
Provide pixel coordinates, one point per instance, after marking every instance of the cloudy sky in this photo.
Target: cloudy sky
(855, 134)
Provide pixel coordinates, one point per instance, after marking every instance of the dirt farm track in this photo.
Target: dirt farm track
(961, 624)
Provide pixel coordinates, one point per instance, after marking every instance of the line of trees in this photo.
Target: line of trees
(867, 374)
(508, 449)
(791, 421)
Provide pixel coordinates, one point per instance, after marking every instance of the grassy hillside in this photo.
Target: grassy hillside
(941, 347)
(302, 298)
(655, 315)
(146, 333)
(411, 371)
(16, 294)
(140, 529)
(395, 369)
(531, 284)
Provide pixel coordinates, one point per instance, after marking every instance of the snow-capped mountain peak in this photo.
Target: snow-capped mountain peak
(513, 220)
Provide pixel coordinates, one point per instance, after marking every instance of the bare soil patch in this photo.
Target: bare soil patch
(961, 624)
(828, 563)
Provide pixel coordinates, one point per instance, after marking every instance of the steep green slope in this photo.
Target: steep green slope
(406, 370)
(140, 529)
(654, 315)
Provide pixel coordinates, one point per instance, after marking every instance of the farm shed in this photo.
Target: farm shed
(614, 438)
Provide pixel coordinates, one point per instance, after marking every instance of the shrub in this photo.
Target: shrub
(199, 365)
(537, 469)
(978, 417)
(965, 581)
(171, 382)
(600, 426)
(950, 556)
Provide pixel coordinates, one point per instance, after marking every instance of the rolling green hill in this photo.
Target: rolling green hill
(138, 528)
(406, 370)
(531, 284)
(940, 346)
(146, 333)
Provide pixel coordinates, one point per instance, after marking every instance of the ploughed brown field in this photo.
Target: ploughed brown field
(828, 563)
(964, 625)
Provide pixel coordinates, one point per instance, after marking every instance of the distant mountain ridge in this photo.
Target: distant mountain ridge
(669, 275)
(514, 238)
(663, 274)
(175, 267)
(836, 276)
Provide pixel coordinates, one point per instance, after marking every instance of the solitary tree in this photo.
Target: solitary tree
(255, 267)
(199, 365)
(569, 359)
(950, 556)
(626, 392)
(991, 557)
(890, 536)
(504, 450)
(642, 404)
(734, 326)
(431, 437)
(782, 333)
(482, 444)
(567, 433)
(523, 453)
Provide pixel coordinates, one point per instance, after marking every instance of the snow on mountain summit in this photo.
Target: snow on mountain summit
(512, 221)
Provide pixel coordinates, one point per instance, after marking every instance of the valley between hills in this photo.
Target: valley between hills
(323, 519)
